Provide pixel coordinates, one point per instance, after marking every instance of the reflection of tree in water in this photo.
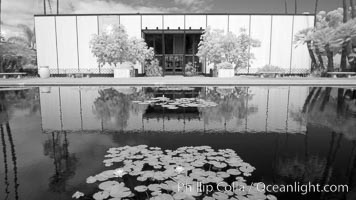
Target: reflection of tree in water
(232, 103)
(6, 179)
(10, 101)
(65, 163)
(13, 158)
(24, 99)
(139, 94)
(114, 106)
(301, 169)
(332, 108)
(314, 169)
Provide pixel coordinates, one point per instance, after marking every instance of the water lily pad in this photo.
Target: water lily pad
(179, 195)
(220, 196)
(223, 174)
(120, 191)
(271, 197)
(154, 187)
(233, 172)
(108, 185)
(77, 195)
(91, 179)
(101, 195)
(187, 165)
(141, 188)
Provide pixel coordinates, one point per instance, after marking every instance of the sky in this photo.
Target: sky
(16, 12)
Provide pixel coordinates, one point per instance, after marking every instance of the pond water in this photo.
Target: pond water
(54, 138)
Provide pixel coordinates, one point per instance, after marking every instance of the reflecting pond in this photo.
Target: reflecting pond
(157, 142)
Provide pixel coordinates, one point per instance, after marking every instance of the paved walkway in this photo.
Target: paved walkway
(176, 80)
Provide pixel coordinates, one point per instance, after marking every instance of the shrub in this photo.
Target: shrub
(271, 68)
(190, 69)
(14, 57)
(224, 65)
(152, 68)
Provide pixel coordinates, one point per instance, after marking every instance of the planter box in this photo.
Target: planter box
(226, 73)
(122, 73)
(43, 71)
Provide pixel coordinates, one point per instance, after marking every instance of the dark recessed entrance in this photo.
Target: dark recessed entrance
(175, 48)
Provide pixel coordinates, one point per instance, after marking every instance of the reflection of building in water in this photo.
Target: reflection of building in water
(267, 109)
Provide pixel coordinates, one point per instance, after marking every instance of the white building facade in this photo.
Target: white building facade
(63, 40)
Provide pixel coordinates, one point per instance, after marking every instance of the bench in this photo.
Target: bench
(275, 74)
(336, 74)
(79, 74)
(17, 74)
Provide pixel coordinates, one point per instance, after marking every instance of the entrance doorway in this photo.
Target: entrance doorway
(175, 49)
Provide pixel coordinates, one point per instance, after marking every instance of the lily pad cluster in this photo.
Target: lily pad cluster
(186, 173)
(176, 103)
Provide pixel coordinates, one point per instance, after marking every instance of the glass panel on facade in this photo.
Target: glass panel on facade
(46, 43)
(173, 21)
(67, 43)
(107, 21)
(152, 22)
(281, 44)
(87, 27)
(261, 30)
(238, 22)
(219, 22)
(132, 25)
(300, 57)
(195, 21)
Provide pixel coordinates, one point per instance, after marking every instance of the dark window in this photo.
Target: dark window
(196, 42)
(168, 43)
(192, 42)
(158, 44)
(173, 43)
(189, 42)
(155, 41)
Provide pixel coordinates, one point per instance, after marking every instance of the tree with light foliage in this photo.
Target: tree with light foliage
(217, 47)
(331, 19)
(329, 37)
(344, 36)
(323, 41)
(27, 37)
(305, 36)
(139, 51)
(114, 47)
